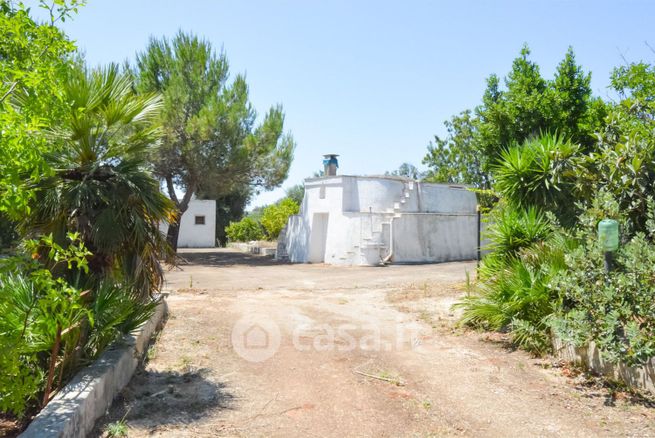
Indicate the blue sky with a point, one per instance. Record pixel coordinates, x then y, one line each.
373 80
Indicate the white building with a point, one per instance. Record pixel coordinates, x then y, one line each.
368 220
198 225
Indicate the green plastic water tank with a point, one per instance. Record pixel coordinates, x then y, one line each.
608 234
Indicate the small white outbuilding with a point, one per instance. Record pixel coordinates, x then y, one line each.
198 225
368 220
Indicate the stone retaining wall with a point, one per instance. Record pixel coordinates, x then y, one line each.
638 377
75 409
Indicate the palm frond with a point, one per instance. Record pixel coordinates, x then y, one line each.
103 187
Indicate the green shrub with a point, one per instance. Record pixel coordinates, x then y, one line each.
245 230
116 311
614 309
625 170
540 172
34 307
117 429
531 336
515 228
535 182
514 290
275 217
25 335
263 223
38 306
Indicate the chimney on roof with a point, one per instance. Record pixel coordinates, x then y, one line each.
330 164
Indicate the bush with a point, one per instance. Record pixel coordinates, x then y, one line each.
535 181
615 310
116 311
540 172
245 230
515 228
541 277
34 307
514 289
49 326
275 217
266 222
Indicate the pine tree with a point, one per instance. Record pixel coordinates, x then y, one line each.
573 90
210 143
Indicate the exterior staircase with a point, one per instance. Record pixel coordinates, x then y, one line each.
377 240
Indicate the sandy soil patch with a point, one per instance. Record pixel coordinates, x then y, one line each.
360 352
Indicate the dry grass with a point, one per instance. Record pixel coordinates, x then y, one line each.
419 291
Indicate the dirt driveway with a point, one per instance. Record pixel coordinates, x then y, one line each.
256 348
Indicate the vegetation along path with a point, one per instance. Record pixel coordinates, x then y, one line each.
357 352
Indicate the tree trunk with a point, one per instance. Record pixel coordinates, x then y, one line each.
173 234
174 228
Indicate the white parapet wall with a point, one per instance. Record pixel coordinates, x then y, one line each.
297 239
437 237
198 225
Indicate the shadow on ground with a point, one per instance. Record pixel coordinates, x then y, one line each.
224 258
154 400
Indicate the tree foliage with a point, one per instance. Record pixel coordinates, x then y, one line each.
275 216
296 192
525 107
534 282
407 170
245 230
455 159
100 186
34 60
230 208
624 162
210 141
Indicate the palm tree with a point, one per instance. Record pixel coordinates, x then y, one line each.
100 185
541 173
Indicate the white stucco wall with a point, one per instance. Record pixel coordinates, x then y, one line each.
193 235
349 219
420 238
297 239
442 198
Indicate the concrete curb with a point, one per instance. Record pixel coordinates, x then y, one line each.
638 377
253 248
75 409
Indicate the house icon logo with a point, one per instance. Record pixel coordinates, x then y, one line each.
255 338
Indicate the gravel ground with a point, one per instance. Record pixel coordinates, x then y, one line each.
257 348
